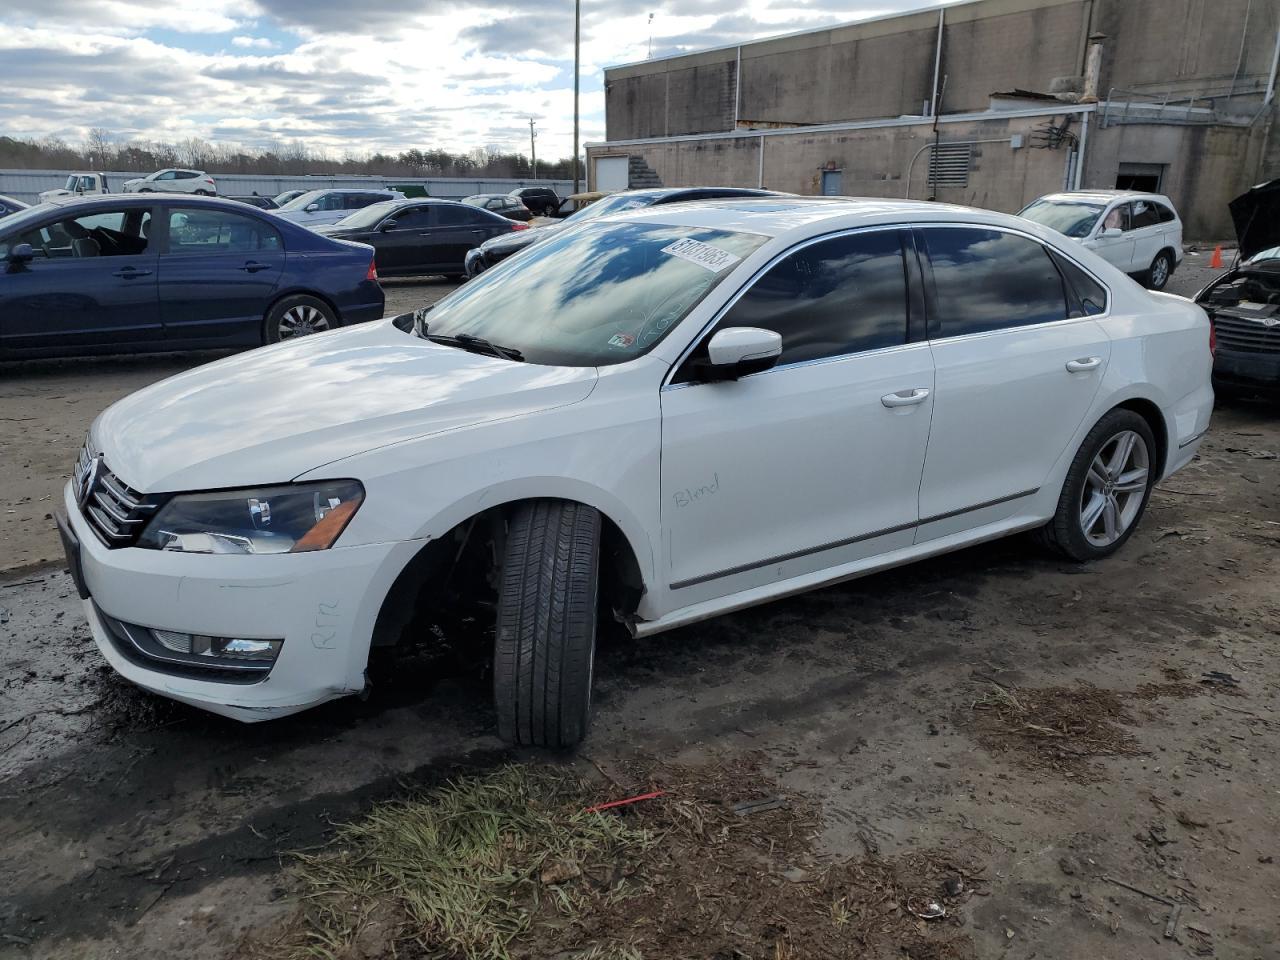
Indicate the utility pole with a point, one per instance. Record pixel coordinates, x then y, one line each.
650 57
533 151
577 69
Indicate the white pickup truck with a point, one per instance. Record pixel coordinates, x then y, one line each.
78 185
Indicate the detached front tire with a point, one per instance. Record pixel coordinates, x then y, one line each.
544 644
1106 490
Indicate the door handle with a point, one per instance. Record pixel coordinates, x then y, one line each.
905 398
1083 364
253 266
130 273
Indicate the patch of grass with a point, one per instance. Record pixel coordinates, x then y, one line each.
460 872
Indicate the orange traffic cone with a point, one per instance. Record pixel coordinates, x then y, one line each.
1216 262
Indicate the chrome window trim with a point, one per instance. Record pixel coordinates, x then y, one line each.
874 228
751 281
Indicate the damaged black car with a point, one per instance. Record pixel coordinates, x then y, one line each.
1244 303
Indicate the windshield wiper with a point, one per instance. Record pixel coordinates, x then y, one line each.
474 344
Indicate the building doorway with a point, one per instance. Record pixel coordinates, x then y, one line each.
833 183
1147 177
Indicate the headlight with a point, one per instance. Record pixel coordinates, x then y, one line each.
294 518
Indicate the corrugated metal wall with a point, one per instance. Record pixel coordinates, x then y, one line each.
25 185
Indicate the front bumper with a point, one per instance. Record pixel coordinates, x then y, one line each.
1259 371
322 604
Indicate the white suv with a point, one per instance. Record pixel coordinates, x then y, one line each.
173 180
1139 233
318 208
660 416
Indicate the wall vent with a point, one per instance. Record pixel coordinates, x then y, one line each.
949 165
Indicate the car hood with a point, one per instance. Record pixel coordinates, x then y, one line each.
1256 215
270 415
135 180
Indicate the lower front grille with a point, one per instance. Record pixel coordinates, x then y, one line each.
116 512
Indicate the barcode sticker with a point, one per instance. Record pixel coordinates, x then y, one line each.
703 254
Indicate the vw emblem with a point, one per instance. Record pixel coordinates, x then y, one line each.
87 480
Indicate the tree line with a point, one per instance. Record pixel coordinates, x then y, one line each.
101 151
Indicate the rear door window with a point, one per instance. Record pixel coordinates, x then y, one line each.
986 280
200 230
449 215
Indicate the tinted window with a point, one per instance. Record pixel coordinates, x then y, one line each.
989 280
448 215
195 230
413 218
1144 214
1166 215
1089 293
839 296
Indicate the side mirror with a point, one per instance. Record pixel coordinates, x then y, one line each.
387 225
312 207
22 253
735 352
1111 232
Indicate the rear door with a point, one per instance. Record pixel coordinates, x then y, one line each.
1148 233
1018 366
92 283
218 273
457 228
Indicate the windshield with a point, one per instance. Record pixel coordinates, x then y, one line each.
601 295
614 204
72 181
1075 218
368 216
300 202
1271 253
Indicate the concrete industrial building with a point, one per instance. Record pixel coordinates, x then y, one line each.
986 102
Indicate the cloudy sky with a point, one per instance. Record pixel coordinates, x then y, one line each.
352 76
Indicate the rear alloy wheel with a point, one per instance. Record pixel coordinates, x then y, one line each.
1161 270
203 193
1106 489
544 645
298 316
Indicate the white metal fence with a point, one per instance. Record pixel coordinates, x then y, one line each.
25 185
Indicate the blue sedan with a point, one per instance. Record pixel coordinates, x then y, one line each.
144 273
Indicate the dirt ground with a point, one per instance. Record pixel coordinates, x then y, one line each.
1099 746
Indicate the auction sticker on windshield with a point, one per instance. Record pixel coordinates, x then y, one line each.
703 254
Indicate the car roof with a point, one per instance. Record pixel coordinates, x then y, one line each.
777 216
1106 196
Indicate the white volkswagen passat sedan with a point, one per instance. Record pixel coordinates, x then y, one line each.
1139 233
664 415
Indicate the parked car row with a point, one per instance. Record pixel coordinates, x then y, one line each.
147 272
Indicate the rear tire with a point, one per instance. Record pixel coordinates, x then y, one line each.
203 193
1160 272
1106 490
298 316
544 645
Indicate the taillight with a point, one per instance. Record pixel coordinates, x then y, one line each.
1213 338
209 181
373 270
517 225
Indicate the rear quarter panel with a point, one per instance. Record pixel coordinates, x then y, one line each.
1160 352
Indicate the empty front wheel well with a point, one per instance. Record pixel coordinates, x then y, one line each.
1149 412
462 568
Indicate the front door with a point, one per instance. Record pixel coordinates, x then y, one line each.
817 461
92 284
1016 375
408 243
218 274
1116 250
